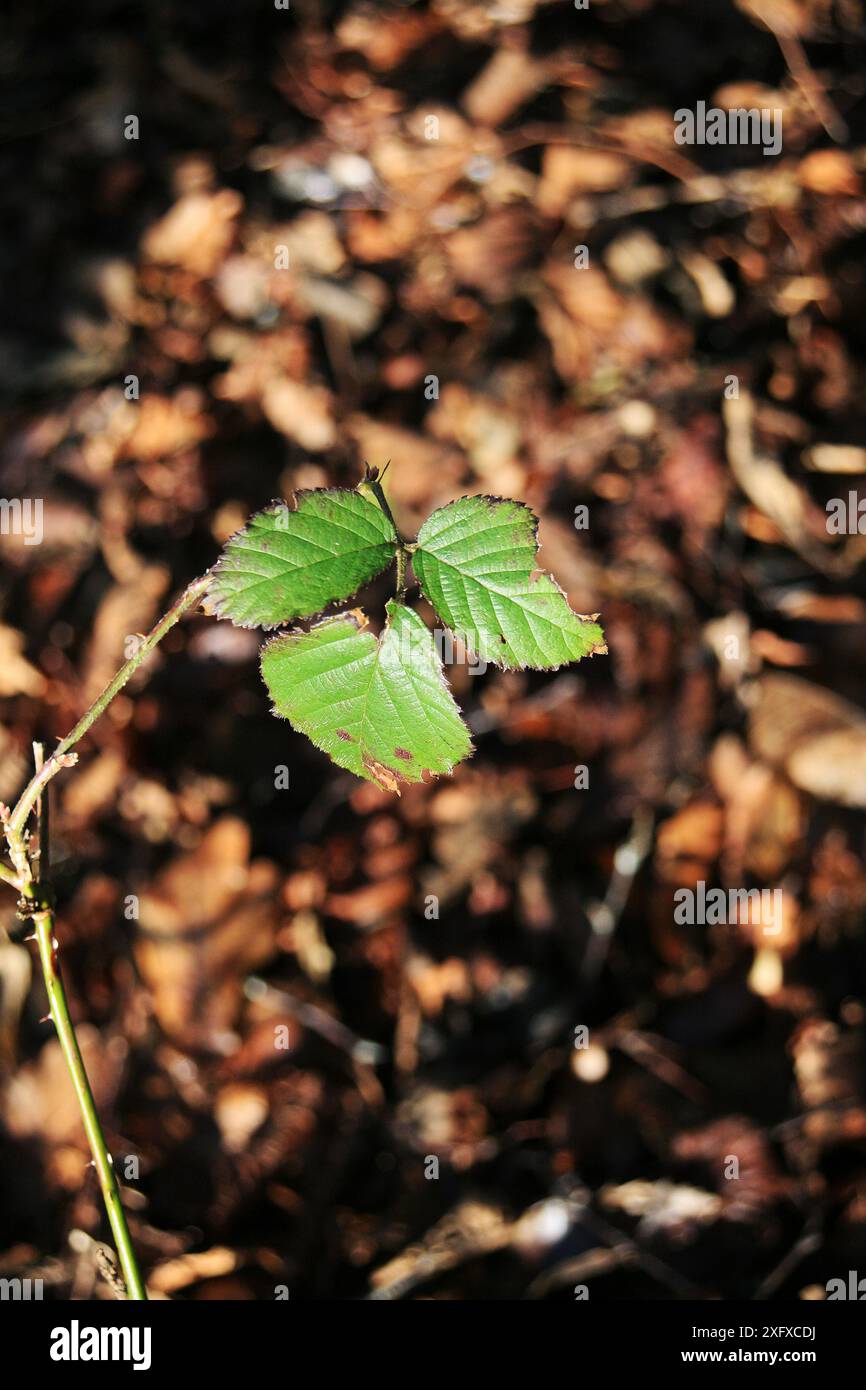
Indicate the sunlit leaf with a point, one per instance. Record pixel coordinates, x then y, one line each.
476 563
379 708
288 564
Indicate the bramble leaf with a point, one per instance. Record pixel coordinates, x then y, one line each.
288 564
476 563
379 708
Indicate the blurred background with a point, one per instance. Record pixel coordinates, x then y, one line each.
245 249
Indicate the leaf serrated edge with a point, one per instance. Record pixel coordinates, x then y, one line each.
389 779
486 497
598 648
357 616
214 607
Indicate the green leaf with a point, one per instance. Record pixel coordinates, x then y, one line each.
288 564
476 563
379 708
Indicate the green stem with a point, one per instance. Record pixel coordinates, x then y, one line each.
37 891
10 877
376 488
401 573
188 599
44 927
34 888
402 552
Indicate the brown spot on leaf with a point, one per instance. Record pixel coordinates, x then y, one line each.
345 736
386 779
404 754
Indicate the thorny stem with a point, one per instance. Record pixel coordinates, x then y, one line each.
188 599
43 921
37 893
8 876
29 876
